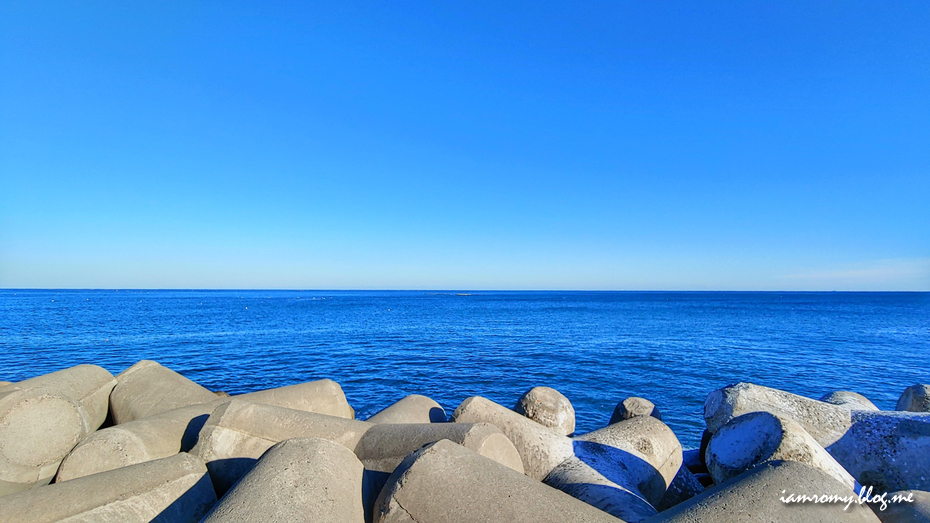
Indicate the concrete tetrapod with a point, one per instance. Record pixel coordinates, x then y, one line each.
824 421
447 483
632 407
301 479
684 487
541 448
168 433
887 450
5 383
849 399
169 490
411 409
147 388
758 437
623 469
238 433
756 496
915 511
915 398
43 418
549 408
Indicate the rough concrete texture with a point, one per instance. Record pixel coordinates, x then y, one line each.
824 421
43 418
887 450
147 439
302 479
632 407
175 490
754 497
917 511
606 478
5 383
447 483
849 399
648 437
758 437
411 409
238 433
168 433
147 389
623 469
915 398
549 408
541 449
320 396
384 446
684 487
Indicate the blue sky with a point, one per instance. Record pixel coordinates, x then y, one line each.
465 145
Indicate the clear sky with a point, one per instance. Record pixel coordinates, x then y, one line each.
465 145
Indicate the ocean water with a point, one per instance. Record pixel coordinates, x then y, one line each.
597 348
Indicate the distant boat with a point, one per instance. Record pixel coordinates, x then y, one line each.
462 294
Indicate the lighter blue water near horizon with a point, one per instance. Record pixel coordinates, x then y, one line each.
597 348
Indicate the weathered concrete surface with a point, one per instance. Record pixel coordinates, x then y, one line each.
168 433
852 400
384 446
623 469
43 418
824 421
887 450
753 497
302 479
411 409
915 398
147 388
541 448
549 408
5 383
169 490
758 437
917 511
147 439
238 433
684 487
447 483
320 396
648 437
632 407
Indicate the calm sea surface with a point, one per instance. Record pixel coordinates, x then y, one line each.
597 348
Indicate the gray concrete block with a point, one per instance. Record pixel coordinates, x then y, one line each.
757 437
549 408
302 479
147 388
43 418
824 421
541 448
632 407
623 469
168 433
169 490
887 450
852 400
447 483
411 409
684 487
755 497
915 511
915 398
237 433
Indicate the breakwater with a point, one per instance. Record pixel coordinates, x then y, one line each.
149 444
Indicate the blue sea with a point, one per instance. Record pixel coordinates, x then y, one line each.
597 348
